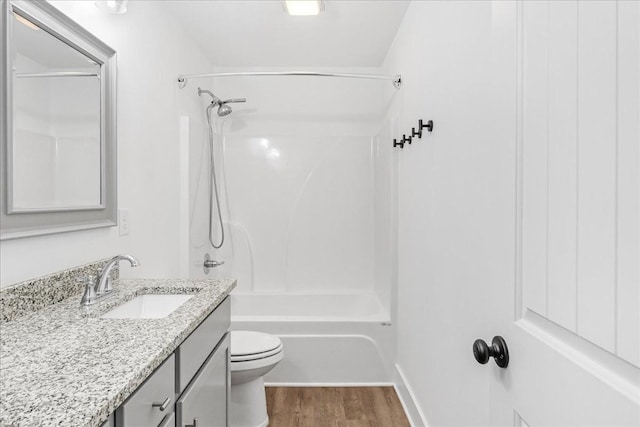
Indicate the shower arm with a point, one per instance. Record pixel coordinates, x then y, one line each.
233 100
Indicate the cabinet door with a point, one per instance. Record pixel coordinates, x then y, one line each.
204 402
193 352
153 400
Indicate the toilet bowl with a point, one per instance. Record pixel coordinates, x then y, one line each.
253 354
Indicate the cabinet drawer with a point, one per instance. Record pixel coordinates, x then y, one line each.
205 400
138 410
193 352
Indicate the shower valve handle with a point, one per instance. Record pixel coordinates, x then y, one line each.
210 263
498 350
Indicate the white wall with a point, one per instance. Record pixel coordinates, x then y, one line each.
152 49
455 207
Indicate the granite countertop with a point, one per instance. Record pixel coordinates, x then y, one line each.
65 366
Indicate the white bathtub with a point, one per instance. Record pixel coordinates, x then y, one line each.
336 339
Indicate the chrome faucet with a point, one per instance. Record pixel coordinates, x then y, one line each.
94 291
104 286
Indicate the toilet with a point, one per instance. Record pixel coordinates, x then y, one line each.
253 354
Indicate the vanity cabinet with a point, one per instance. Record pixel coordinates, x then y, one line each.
204 402
196 376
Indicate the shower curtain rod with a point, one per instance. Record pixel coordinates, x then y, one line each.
397 79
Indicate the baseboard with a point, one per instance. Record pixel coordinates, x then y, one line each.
408 400
382 384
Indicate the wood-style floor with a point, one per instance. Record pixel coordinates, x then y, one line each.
334 407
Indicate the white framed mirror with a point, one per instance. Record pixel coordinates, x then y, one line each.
58 123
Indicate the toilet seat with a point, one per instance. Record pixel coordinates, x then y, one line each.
267 362
255 356
250 350
247 343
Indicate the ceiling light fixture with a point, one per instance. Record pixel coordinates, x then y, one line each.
112 6
304 7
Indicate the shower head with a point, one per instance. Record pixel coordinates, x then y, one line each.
223 108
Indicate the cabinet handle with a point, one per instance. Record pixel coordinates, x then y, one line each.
195 423
162 406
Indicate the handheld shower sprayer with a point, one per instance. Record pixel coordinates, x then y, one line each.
223 110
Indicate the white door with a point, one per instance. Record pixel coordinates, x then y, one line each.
571 316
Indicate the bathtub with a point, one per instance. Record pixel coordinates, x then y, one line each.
329 339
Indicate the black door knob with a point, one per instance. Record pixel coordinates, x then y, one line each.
498 350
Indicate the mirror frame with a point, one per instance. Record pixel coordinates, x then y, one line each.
25 223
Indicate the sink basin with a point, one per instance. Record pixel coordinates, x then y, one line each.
147 307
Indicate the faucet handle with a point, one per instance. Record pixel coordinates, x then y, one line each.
89 296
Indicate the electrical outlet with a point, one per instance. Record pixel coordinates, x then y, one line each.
123 221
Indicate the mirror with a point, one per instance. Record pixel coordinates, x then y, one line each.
58 124
55 146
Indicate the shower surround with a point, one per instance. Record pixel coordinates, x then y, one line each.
305 183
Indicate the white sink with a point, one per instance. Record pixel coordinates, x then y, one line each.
148 307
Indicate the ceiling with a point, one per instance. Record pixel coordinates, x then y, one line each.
259 33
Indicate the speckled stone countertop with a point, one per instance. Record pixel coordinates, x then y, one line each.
64 366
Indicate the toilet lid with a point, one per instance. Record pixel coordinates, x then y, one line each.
246 343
